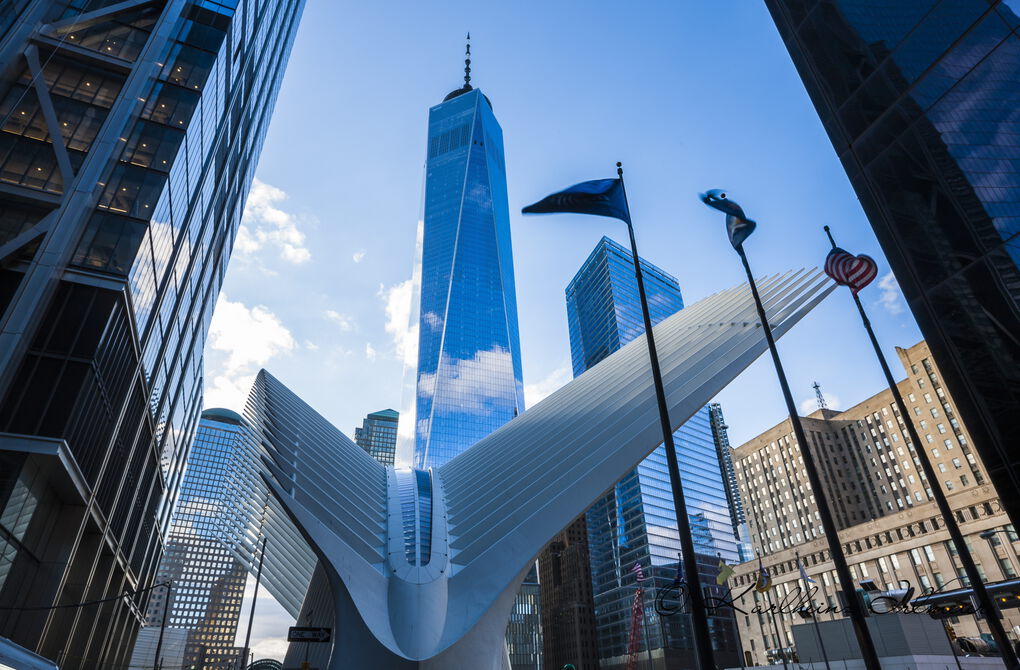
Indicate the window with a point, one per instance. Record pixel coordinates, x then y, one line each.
949 485
963 480
1007 567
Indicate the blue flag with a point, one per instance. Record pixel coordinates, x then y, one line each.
601 197
738 226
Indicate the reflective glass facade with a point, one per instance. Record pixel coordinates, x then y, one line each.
208 581
378 435
469 361
129 134
919 98
635 522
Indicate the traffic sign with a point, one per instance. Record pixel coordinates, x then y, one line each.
306 634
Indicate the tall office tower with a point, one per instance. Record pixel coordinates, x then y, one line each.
635 522
720 433
919 100
889 525
130 133
208 581
568 610
378 435
469 350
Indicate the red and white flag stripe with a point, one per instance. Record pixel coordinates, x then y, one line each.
849 270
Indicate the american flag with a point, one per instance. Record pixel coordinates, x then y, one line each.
639 572
849 270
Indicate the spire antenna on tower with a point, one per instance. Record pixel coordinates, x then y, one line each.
819 398
467 64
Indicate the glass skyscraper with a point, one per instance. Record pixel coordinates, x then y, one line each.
469 353
919 98
129 134
378 435
208 581
635 522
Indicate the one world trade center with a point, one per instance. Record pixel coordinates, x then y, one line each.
469 361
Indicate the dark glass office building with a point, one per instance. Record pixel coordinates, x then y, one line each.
920 100
378 435
635 522
129 134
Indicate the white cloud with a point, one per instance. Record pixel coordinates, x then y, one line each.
534 393
892 297
343 320
264 225
370 352
469 380
432 320
809 405
270 647
248 338
358 255
311 346
397 300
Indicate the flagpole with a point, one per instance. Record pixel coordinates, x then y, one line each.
1009 656
772 616
814 617
699 613
853 603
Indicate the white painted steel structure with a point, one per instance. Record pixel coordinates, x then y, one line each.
496 505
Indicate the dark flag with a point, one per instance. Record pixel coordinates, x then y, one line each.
738 226
601 197
763 582
849 270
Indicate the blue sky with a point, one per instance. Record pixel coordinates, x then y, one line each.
688 95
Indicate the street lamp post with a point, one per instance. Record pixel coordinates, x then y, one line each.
989 535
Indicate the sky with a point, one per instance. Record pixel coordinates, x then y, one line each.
688 95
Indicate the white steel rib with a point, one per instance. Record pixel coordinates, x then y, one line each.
445 604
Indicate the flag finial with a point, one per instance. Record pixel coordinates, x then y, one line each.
467 63
829 233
